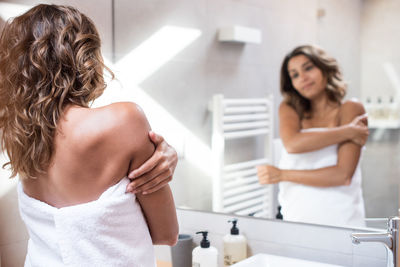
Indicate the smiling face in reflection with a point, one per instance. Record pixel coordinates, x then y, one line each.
306 78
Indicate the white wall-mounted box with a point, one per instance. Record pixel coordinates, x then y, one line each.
239 34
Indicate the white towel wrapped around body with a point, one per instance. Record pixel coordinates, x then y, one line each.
110 231
337 205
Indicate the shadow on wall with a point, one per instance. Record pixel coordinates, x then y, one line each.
2 23
13 234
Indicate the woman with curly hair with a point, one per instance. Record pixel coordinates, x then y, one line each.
74 161
319 175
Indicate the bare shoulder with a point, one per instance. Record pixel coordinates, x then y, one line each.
117 123
125 119
352 106
126 114
128 131
350 109
286 109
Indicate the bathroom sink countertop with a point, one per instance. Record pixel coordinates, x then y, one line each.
267 260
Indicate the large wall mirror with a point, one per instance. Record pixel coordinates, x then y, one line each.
167 58
170 54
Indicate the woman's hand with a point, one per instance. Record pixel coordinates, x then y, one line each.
157 171
359 130
268 174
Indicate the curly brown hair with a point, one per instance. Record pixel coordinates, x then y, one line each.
335 87
49 58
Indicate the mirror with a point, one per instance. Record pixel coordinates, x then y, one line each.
173 64
167 58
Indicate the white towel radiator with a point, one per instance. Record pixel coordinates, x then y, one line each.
235 186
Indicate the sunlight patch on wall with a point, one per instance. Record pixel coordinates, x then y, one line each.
140 64
157 50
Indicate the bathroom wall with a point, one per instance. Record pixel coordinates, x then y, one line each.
344 45
379 48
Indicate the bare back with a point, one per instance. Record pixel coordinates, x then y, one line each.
94 149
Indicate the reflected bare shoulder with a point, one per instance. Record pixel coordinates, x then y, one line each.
350 109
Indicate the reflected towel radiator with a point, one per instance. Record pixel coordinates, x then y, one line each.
235 186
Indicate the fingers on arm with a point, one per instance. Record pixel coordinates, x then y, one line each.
155 184
156 138
147 166
363 118
159 167
161 174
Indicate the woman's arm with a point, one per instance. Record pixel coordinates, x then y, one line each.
296 141
339 174
158 207
162 222
157 171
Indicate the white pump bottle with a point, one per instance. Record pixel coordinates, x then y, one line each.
204 255
235 246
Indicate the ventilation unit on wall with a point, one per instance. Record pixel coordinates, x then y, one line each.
239 34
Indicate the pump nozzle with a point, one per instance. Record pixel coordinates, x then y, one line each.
234 229
204 242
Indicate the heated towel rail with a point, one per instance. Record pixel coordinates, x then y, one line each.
235 186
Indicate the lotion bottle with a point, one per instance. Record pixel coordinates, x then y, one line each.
204 255
235 246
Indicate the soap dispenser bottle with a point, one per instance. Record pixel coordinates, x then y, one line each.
204 255
235 246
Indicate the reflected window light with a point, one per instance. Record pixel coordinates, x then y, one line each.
140 64
393 77
157 50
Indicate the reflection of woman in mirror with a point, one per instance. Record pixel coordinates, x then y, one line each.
73 161
319 175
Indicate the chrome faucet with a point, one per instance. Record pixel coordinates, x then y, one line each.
389 238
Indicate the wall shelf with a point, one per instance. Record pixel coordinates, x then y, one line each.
239 34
